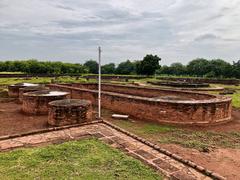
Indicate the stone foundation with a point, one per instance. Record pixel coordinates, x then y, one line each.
69 111
37 102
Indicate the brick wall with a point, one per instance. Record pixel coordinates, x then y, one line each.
144 91
203 80
200 112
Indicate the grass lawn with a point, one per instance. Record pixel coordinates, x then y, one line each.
236 99
84 159
235 96
200 140
63 79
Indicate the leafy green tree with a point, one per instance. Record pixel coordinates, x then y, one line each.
108 68
236 69
92 66
164 70
126 67
148 65
220 68
178 69
198 67
33 66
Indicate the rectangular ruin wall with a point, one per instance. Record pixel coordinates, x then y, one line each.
142 91
200 113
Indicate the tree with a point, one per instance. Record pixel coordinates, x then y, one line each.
92 66
198 67
126 67
34 66
236 69
108 68
148 65
178 69
220 68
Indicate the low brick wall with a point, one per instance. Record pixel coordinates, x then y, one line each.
144 91
203 80
194 112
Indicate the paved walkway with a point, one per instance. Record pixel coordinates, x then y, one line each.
171 168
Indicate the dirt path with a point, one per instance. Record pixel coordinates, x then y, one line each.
223 161
14 122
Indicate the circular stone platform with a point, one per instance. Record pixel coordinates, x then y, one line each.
30 89
37 102
69 111
13 90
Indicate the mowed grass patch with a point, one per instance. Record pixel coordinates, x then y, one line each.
164 134
62 79
236 99
85 159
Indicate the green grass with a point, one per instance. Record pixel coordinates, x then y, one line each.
6 72
235 97
85 159
200 140
64 79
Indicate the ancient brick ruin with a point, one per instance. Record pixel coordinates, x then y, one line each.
13 90
69 111
153 104
30 89
37 102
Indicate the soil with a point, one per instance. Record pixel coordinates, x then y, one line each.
224 161
13 121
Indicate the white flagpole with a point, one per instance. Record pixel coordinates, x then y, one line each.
99 82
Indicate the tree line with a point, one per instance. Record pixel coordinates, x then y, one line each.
42 67
149 65
216 68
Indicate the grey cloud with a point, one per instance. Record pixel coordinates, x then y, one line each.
71 30
205 37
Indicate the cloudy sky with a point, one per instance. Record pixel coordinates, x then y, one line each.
71 30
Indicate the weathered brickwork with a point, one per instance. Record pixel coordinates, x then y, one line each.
203 80
13 90
69 111
29 89
37 102
205 110
144 91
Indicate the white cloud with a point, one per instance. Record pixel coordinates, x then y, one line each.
176 30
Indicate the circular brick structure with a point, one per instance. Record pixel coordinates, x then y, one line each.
30 89
69 111
164 106
37 102
13 90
